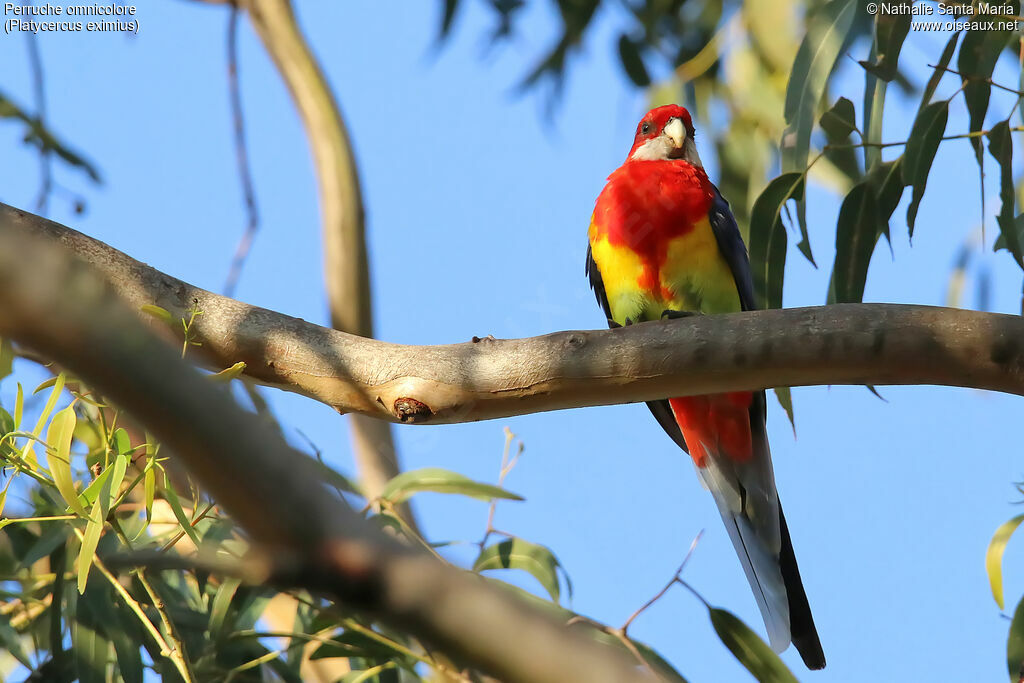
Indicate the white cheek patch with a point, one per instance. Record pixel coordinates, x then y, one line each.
652 150
660 148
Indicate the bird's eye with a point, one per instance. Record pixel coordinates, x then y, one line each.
645 128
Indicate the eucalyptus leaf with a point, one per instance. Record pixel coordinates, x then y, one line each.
515 553
994 557
768 238
1015 645
826 31
633 62
752 652
1000 146
857 233
979 53
923 143
437 480
58 437
940 69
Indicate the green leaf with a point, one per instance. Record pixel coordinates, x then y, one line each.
994 557
92 491
19 405
785 398
120 626
925 135
368 674
27 453
768 237
354 644
857 232
159 313
172 499
122 442
53 537
978 56
874 106
826 31
839 121
7 425
90 540
6 357
41 137
58 437
1000 146
1015 644
10 639
886 182
940 69
438 480
632 62
515 553
1001 240
448 17
120 467
891 29
752 652
228 374
91 650
3 499
149 485
219 607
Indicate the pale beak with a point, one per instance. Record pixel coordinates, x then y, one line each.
676 132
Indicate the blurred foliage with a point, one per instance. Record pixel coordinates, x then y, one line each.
113 564
40 137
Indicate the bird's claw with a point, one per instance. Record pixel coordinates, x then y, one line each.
669 314
615 325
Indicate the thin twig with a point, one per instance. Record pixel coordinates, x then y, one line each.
177 652
986 79
676 578
135 607
507 464
242 154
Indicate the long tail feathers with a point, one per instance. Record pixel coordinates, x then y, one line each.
801 623
777 587
765 578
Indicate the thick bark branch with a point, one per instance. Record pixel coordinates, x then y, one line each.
346 268
59 306
844 344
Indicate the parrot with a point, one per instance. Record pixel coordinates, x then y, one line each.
663 243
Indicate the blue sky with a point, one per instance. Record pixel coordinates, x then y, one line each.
478 203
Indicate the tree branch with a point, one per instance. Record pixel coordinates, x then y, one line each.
58 305
875 344
346 268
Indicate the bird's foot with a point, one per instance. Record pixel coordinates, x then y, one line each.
669 314
614 325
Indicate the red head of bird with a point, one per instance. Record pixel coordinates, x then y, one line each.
665 133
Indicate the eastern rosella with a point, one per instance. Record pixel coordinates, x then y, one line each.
662 239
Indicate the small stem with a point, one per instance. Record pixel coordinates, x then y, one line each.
242 155
985 79
135 607
676 578
177 652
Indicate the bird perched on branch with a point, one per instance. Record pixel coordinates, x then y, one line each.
663 243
